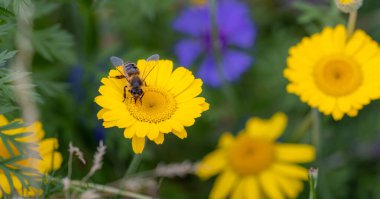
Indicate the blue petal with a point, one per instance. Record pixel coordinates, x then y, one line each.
235 24
187 51
193 21
234 64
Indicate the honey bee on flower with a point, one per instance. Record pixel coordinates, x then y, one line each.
169 104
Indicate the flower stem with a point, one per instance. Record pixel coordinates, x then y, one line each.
217 54
351 23
316 130
313 178
133 165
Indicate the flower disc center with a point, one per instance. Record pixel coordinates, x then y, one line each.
156 105
249 156
338 75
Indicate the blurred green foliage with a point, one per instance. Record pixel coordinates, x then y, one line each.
73 40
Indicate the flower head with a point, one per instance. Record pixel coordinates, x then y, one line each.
49 159
254 165
235 29
333 73
348 5
170 103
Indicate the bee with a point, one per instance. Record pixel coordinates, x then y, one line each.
132 75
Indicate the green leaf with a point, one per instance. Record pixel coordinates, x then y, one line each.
53 43
5 55
6 12
7 109
44 8
12 125
23 9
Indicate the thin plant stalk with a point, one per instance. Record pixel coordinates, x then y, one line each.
132 168
352 17
313 178
133 165
22 63
217 54
103 188
316 129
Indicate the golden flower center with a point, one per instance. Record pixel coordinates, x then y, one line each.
250 155
346 1
156 105
338 75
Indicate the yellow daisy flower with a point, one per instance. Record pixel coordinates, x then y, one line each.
333 73
169 103
46 148
253 165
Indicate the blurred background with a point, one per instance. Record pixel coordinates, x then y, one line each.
73 40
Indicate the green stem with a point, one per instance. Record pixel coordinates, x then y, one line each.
313 178
217 53
316 130
351 23
133 165
303 128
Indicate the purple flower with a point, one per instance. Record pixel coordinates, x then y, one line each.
236 30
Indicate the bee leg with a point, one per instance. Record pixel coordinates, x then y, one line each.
125 93
142 95
117 77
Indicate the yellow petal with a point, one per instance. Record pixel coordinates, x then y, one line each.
142 129
269 185
299 153
211 164
3 120
164 127
153 131
52 161
290 186
251 187
223 185
138 144
225 140
181 134
165 71
290 170
192 91
270 129
48 145
238 191
129 132
159 139
5 184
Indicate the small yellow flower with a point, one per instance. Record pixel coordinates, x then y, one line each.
46 148
348 5
169 103
253 165
333 73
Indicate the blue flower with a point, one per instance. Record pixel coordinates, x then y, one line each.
236 32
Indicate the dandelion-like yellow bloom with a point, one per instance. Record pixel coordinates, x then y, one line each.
253 165
348 5
170 103
49 160
333 73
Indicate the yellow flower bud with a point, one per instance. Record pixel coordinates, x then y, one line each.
348 5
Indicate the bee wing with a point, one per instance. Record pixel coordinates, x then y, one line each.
154 57
116 61
151 63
